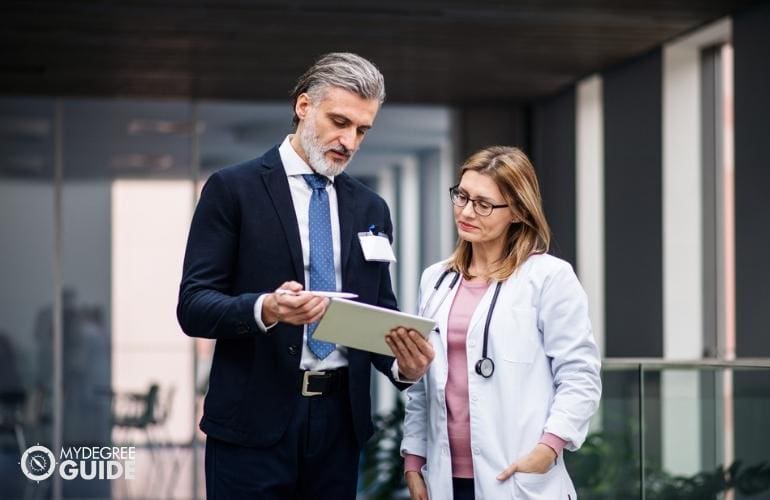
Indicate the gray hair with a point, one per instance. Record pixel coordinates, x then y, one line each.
344 70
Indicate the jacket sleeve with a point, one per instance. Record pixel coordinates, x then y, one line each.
415 440
575 364
206 308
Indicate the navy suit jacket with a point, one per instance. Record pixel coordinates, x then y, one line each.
244 241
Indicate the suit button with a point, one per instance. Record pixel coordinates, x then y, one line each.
293 350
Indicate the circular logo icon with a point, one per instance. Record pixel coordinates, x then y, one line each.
38 463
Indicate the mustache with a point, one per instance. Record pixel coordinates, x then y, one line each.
342 150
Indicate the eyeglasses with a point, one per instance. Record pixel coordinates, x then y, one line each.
481 207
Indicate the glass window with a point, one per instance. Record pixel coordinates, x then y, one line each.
26 283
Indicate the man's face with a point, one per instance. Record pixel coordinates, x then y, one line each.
331 130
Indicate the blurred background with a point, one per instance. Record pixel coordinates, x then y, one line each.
648 123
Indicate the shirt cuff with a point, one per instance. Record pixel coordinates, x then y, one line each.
413 463
554 442
396 377
258 314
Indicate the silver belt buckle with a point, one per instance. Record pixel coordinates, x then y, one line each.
306 382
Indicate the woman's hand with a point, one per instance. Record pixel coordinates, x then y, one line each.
416 485
538 461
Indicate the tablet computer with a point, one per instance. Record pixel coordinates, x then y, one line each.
363 326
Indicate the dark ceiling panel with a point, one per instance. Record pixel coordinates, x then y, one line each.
430 51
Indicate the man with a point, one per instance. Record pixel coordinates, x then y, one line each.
286 414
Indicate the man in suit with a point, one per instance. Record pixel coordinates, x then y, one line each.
286 415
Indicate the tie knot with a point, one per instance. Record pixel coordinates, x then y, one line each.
316 181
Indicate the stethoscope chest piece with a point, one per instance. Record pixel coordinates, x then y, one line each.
485 367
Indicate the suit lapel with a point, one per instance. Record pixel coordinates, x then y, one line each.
346 202
277 187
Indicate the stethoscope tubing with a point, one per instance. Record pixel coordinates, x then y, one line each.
485 366
436 287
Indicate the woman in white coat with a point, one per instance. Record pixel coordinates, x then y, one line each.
515 378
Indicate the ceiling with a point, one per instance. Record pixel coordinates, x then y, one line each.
449 51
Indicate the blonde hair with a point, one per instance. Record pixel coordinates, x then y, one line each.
514 175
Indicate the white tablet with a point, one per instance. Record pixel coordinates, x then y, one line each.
363 326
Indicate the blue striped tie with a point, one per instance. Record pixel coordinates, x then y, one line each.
322 275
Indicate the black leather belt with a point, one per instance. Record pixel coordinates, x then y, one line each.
318 383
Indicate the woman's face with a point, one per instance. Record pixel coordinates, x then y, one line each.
473 227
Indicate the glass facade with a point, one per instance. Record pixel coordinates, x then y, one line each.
27 267
96 197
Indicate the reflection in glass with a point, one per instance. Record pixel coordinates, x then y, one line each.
126 202
26 287
635 438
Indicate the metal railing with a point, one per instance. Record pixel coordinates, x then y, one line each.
717 403
660 363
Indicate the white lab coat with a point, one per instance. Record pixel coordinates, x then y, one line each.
546 379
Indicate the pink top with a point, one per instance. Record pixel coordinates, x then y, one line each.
458 413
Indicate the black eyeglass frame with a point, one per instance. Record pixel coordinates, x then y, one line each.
455 190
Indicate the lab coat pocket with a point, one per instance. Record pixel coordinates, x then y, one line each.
520 335
534 477
547 486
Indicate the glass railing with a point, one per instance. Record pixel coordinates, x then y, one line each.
665 430
678 430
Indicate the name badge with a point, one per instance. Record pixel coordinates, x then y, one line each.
376 247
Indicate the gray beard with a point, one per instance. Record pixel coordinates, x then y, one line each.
315 151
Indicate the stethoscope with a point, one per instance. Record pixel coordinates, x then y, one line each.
485 366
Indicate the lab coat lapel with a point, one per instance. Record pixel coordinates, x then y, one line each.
479 318
442 314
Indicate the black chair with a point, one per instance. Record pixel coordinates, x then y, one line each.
132 410
147 412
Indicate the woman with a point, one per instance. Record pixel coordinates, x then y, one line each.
490 418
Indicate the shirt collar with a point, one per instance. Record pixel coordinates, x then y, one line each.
293 162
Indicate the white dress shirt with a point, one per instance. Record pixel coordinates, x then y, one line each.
295 168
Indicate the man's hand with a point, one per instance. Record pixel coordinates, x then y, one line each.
288 304
413 352
538 461
416 485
